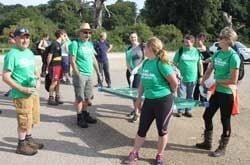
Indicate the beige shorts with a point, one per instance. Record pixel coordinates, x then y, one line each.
28 111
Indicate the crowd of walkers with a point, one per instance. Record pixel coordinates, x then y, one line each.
150 70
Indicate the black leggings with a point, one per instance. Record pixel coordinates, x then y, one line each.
225 103
159 109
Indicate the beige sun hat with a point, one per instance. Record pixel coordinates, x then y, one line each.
85 26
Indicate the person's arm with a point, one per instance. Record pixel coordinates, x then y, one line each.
110 47
49 58
8 80
74 66
233 80
208 73
41 45
173 82
138 101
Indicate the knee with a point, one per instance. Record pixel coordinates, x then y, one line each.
142 133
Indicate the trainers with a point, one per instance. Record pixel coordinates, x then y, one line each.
51 101
178 114
58 100
159 160
131 114
188 114
88 118
134 118
132 158
80 122
25 149
67 82
30 141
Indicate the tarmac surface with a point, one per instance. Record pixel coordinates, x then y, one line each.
110 140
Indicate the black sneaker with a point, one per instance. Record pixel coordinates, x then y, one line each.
88 118
131 114
58 100
67 82
178 114
134 118
188 114
51 101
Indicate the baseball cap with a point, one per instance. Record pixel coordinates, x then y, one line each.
21 31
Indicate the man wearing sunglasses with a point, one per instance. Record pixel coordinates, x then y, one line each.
19 72
82 55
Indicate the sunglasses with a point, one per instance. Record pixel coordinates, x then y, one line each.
86 32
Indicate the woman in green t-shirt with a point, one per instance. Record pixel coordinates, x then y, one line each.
158 82
225 64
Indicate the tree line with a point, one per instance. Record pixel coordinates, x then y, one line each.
167 19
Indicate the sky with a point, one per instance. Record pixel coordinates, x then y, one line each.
139 3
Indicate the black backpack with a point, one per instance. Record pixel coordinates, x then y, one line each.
241 68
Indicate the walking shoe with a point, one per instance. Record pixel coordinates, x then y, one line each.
25 149
134 118
178 114
188 114
51 101
62 81
58 100
159 160
131 114
132 158
30 141
67 82
88 118
80 122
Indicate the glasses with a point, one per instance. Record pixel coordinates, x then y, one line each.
86 32
221 37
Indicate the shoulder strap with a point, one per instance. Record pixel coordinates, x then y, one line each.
158 68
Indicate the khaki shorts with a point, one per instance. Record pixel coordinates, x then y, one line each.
28 111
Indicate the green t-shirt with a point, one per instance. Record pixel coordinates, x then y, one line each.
21 64
188 63
84 52
223 62
153 82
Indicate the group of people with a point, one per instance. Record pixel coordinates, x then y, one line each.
149 69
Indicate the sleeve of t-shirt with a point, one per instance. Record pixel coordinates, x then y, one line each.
166 69
73 48
176 57
9 62
235 61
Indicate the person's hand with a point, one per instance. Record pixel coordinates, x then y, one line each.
134 71
28 90
138 104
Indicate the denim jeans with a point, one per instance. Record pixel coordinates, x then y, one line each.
186 91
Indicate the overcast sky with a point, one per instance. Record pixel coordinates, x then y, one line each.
139 3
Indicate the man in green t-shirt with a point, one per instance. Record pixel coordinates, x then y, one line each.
82 55
19 72
188 61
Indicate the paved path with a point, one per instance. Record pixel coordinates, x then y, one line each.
110 140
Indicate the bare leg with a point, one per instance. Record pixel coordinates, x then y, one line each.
138 143
162 143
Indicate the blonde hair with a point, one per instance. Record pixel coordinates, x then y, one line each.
229 34
157 48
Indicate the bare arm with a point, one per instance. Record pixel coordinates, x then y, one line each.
232 81
8 80
41 45
73 64
173 81
49 58
110 48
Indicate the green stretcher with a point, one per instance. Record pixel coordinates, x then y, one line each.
131 93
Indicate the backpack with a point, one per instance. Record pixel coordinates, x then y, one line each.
241 68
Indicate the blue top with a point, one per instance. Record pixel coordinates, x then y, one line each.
101 48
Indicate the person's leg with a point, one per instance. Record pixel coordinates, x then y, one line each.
182 93
146 120
226 105
189 95
24 120
207 117
196 95
106 73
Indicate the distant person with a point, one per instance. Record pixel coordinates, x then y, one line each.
66 60
103 47
188 61
54 65
204 50
82 54
225 65
158 83
19 72
134 58
42 45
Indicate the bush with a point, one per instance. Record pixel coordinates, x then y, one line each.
170 36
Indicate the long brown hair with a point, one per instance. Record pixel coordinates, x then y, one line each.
157 47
